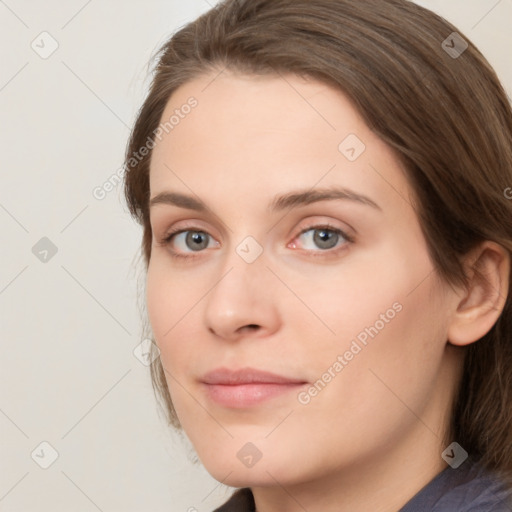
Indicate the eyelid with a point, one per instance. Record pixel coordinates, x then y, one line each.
189 225
327 226
169 236
327 253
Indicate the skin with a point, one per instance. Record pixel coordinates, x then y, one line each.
373 436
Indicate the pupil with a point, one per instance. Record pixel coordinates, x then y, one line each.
197 240
325 238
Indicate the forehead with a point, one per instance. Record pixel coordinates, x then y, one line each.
257 135
253 111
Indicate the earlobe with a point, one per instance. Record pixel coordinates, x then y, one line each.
484 299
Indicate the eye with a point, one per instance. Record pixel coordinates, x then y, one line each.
325 238
194 241
183 243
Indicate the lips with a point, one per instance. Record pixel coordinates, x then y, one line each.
226 377
246 387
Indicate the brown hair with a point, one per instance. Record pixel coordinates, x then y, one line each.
445 114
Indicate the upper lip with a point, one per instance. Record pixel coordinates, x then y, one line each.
228 377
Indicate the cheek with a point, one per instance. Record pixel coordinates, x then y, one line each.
174 302
391 347
159 300
344 300
382 319
169 301
170 294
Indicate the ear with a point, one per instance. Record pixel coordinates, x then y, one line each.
481 304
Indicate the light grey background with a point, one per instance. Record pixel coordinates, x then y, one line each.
69 325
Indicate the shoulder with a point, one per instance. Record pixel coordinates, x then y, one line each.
242 500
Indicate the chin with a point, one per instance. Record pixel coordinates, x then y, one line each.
243 477
236 469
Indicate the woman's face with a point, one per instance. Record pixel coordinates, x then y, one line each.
300 255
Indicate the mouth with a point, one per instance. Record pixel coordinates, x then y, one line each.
246 387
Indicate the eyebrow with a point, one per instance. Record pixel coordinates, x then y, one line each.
290 200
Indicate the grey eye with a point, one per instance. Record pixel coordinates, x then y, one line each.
325 238
321 238
196 240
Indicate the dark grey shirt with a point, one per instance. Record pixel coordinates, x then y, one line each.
469 488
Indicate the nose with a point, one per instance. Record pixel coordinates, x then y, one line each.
243 301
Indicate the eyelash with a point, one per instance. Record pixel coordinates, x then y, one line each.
320 253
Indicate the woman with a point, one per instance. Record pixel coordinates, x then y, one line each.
327 238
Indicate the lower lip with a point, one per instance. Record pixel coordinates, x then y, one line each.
247 395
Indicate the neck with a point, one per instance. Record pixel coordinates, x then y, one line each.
381 484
